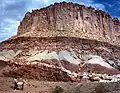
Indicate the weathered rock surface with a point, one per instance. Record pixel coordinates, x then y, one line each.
40 72
63 53
71 20
7 55
60 41
80 46
96 68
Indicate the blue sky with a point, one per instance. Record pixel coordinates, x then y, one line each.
13 11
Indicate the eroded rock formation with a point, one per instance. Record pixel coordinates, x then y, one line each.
65 40
68 19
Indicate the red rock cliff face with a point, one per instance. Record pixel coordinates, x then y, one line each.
73 20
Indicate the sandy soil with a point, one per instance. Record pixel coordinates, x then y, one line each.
33 86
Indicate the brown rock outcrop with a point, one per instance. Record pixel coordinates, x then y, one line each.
69 19
40 72
96 68
84 46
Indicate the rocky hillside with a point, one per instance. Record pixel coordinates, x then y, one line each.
62 42
68 57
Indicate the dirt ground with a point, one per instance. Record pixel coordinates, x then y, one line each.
33 86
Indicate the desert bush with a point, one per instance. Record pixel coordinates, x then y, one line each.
101 88
58 89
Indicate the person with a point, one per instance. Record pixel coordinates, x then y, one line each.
20 83
15 84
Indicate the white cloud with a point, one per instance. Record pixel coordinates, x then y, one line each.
45 1
98 6
8 28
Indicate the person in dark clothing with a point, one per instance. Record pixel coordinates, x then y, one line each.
22 86
15 84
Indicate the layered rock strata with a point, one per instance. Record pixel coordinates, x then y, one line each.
65 40
67 52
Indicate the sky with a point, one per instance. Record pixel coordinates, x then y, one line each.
13 11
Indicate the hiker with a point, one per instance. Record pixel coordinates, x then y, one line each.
18 83
15 84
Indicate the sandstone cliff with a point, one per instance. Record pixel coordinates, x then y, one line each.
73 20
